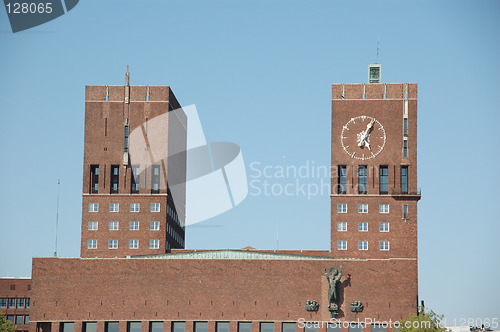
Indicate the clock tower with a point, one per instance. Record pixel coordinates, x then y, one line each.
374 171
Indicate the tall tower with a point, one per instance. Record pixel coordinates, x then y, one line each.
135 143
374 153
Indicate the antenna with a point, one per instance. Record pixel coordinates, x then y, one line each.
127 77
57 217
378 48
277 241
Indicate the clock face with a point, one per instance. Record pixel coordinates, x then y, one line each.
363 137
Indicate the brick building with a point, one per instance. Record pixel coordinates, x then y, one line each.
369 275
15 301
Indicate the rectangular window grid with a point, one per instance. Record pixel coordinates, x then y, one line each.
384 179
341 245
383 227
92 244
341 227
93 207
154 225
363 227
113 225
362 180
383 208
362 208
93 225
135 207
341 208
136 179
384 245
154 207
134 225
362 245
133 244
154 244
405 211
112 244
342 184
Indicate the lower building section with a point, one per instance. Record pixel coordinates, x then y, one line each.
15 301
240 291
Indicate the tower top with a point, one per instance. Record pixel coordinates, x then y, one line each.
127 77
375 73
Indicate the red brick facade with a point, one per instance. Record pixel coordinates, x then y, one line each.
15 301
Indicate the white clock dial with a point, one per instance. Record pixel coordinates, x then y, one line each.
363 137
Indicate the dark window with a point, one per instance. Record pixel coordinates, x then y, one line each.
12 302
11 318
28 300
200 327
156 327
178 326
362 180
311 327
342 173
404 179
136 171
266 327
355 327
289 327
405 211
20 303
333 327
67 327
19 319
111 327
125 142
155 179
133 326
244 327
12 287
379 328
89 327
3 302
94 179
384 179
115 176
26 319
221 326
405 148
405 126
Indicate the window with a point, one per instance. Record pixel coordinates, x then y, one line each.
362 245
136 179
289 327
112 244
12 302
362 180
133 244
221 326
178 326
384 179
26 319
405 211
342 170
135 207
93 207
156 327
362 208
94 179
244 327
114 207
28 301
354 327
155 179
404 179
12 287
200 327
93 225
115 177
113 225
67 327
155 207
154 244
133 326
126 133
341 227
89 327
92 244
383 227
405 148
20 303
384 245
154 225
111 327
266 327
362 227
11 318
311 327
341 245
383 208
405 127
341 208
3 302
333 327
134 225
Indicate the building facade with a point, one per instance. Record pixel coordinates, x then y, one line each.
15 301
368 278
134 156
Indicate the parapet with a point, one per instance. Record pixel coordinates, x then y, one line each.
380 91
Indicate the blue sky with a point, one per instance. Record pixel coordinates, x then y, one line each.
260 74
